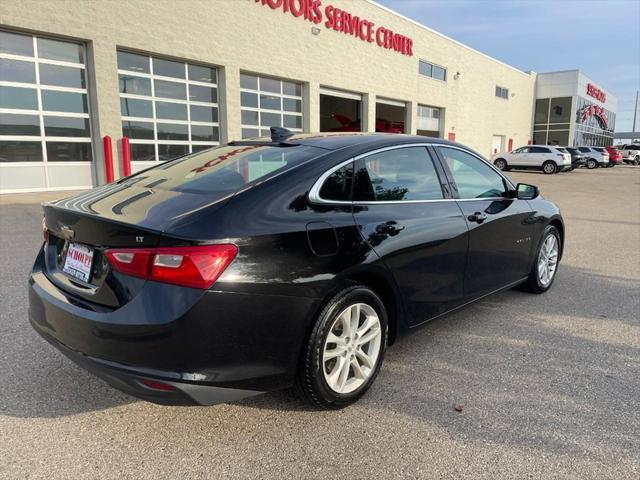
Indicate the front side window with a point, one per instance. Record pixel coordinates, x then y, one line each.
44 110
474 177
169 108
522 150
269 102
397 175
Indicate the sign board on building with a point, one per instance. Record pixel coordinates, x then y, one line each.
340 20
596 93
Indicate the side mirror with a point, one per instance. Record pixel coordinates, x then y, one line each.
526 192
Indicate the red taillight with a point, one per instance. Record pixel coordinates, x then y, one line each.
155 385
196 267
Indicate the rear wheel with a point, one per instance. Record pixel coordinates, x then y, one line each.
636 161
591 164
501 164
545 266
549 167
345 350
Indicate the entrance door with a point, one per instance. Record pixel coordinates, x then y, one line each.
497 144
420 236
500 237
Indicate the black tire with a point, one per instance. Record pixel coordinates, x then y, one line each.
591 164
550 167
533 284
311 383
636 161
501 164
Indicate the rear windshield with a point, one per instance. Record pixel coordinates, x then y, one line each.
225 170
599 149
563 150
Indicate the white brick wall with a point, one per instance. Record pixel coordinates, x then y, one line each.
243 35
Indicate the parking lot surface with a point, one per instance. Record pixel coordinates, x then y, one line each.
549 384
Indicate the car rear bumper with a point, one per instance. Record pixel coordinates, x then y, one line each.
169 387
211 347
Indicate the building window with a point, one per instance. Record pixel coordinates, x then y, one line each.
169 108
269 102
44 110
502 92
432 70
429 121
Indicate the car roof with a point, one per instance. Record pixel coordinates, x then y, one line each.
336 141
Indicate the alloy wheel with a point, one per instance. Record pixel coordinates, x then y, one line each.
352 348
591 163
549 167
501 164
548 260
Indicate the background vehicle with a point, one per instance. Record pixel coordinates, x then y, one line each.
630 153
577 158
594 157
261 264
539 157
615 157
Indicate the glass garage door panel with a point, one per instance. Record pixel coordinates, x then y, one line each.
269 102
44 113
169 108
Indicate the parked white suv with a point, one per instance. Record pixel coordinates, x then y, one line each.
548 158
630 153
595 156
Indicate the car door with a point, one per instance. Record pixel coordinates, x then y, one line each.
519 157
501 230
404 211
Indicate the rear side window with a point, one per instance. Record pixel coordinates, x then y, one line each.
562 150
401 174
540 150
225 170
338 185
584 149
474 177
599 149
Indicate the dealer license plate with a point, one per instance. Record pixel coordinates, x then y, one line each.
78 261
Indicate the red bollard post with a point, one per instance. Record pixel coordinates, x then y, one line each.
126 157
108 158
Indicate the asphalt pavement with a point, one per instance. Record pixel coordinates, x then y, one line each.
549 385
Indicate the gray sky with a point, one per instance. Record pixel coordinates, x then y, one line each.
599 37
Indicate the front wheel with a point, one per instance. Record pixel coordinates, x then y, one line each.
591 164
501 164
544 269
549 167
345 349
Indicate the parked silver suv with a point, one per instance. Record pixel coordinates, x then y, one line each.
548 158
596 156
630 153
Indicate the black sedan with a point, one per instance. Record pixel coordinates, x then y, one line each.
293 260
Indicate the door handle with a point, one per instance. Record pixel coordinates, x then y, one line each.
391 228
477 217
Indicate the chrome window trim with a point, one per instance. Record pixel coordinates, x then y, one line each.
314 192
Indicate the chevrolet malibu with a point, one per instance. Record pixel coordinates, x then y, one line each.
290 261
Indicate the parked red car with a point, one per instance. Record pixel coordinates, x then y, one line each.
615 157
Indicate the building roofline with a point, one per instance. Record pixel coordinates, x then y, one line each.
442 35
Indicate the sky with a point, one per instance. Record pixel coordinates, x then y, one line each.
599 37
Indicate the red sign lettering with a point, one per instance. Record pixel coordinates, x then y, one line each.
596 93
344 22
